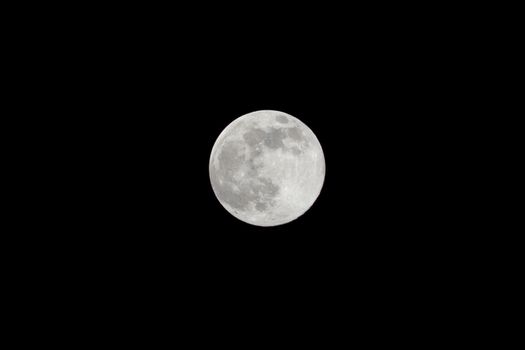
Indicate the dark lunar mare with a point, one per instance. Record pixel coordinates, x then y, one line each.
281 119
295 134
272 139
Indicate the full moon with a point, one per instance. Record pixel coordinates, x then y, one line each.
267 168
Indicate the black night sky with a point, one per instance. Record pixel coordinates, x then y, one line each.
143 104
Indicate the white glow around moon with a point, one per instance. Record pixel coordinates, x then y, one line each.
267 168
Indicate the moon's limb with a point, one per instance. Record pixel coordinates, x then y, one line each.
267 168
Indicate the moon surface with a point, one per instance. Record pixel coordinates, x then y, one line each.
267 168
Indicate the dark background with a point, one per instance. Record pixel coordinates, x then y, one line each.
154 106
148 100
137 101
159 108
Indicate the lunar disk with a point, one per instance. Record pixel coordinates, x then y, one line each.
267 168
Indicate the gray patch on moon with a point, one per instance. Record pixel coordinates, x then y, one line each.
259 192
253 169
295 134
296 150
260 206
254 137
267 187
274 139
230 158
237 200
239 195
281 119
